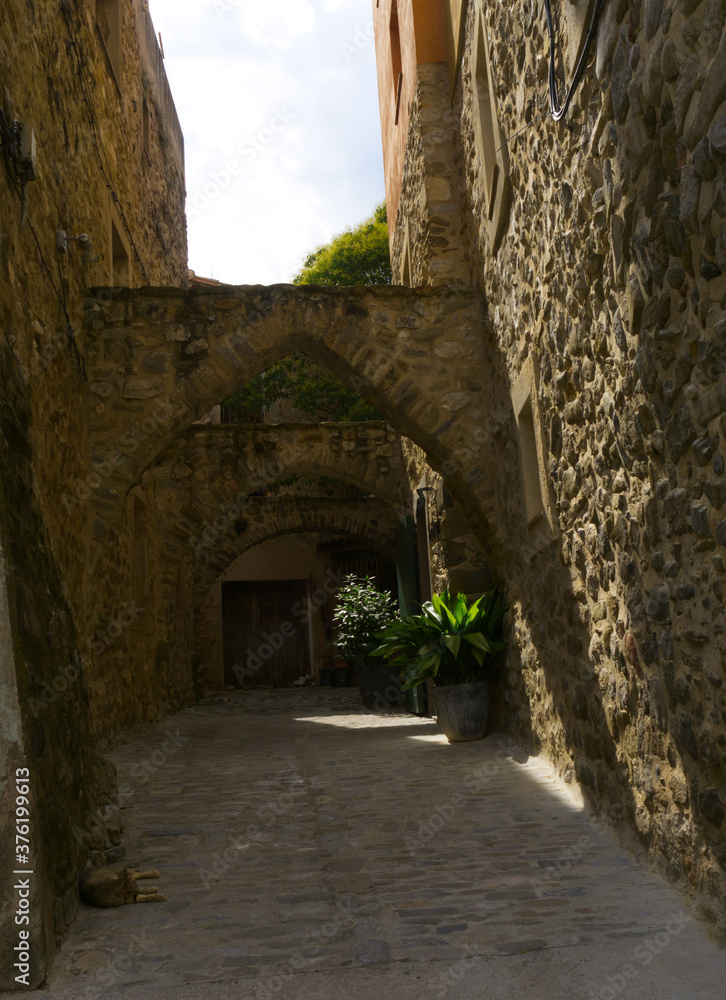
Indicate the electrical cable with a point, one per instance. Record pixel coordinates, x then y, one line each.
526 125
23 204
559 112
70 336
95 133
556 112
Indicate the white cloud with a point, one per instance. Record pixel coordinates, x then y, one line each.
285 81
275 24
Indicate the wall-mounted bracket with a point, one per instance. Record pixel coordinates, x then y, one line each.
62 239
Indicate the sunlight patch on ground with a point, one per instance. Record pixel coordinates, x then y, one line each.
429 738
355 721
543 772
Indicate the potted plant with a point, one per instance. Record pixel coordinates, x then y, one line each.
361 612
451 642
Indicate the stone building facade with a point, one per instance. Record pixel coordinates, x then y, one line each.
599 246
90 145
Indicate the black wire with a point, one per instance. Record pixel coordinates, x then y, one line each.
61 296
525 126
70 335
62 300
95 134
559 112
8 145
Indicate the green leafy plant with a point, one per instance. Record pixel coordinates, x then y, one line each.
361 612
451 641
313 390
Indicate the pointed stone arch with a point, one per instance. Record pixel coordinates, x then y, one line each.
372 522
209 464
158 359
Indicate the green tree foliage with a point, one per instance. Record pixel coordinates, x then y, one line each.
313 390
358 256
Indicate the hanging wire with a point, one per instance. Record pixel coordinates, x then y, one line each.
96 135
523 128
559 112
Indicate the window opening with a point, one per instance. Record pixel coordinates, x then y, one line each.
396 61
533 504
120 263
140 555
108 23
488 151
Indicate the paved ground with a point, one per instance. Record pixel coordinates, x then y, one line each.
310 849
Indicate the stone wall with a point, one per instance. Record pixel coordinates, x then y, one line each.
87 138
160 358
457 558
428 247
610 276
43 706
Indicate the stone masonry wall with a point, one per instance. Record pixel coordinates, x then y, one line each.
45 50
432 226
610 274
72 787
200 509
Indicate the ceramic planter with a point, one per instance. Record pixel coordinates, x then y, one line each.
462 710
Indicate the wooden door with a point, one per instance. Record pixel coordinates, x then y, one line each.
265 642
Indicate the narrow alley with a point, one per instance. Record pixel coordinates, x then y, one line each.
309 848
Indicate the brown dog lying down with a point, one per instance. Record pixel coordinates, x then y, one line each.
116 886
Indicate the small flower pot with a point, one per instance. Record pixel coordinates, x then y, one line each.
326 677
462 710
379 685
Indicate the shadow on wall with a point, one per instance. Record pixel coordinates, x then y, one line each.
71 780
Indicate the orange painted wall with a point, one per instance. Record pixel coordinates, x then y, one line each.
421 32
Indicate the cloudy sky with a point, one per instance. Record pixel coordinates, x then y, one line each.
278 104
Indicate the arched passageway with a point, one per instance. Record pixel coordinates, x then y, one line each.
158 359
268 618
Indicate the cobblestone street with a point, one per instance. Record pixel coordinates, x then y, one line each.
309 849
